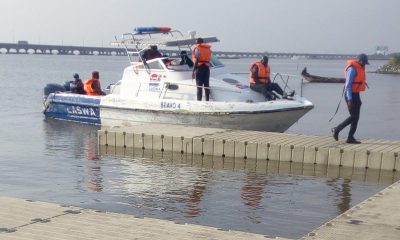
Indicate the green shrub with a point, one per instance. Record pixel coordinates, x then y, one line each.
395 59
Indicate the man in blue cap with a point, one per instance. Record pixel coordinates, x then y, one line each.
355 83
76 85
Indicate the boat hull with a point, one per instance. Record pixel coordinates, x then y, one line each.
73 107
318 79
274 121
118 111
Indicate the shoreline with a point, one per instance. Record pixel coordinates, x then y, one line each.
389 69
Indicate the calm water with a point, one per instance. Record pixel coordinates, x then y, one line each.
60 162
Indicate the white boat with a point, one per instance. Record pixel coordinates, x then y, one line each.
161 90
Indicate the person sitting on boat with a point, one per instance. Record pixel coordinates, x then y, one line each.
92 85
260 80
76 85
201 57
185 59
151 53
304 72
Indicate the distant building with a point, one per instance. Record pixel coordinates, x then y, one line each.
381 50
23 42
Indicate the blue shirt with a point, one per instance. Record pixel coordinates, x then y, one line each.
351 74
196 53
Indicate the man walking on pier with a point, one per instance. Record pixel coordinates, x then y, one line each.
355 83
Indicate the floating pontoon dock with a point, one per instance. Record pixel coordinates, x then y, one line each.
372 153
377 217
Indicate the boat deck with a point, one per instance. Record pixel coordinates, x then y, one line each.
372 153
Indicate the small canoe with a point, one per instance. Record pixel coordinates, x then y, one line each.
314 78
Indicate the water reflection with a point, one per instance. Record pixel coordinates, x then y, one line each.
197 174
93 174
342 188
67 137
195 195
76 142
253 189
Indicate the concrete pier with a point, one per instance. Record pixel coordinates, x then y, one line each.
321 150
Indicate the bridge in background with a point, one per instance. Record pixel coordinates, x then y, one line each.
23 47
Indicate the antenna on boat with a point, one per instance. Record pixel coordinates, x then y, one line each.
126 49
192 34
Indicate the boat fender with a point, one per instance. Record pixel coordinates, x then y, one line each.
52 88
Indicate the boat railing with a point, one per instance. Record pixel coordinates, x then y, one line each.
167 86
284 78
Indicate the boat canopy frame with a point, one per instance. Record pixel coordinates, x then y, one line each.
135 43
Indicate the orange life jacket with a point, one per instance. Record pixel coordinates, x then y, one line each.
87 85
359 82
204 54
263 73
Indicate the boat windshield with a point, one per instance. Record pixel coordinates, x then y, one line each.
215 62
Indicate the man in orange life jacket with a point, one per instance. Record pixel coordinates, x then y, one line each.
355 83
260 80
201 56
92 85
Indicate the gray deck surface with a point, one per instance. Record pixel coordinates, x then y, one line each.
378 217
26 220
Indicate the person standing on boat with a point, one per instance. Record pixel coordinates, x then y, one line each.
185 60
92 85
260 80
355 83
201 56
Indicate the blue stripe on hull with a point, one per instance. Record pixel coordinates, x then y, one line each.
74 108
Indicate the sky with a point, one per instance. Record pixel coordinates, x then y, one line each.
297 26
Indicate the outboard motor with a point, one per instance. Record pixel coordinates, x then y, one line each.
52 88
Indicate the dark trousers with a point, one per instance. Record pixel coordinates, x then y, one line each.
203 79
352 120
266 89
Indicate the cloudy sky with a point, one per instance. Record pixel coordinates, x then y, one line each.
311 26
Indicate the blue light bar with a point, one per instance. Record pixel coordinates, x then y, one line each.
152 29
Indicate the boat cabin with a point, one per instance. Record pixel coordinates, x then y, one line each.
170 76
